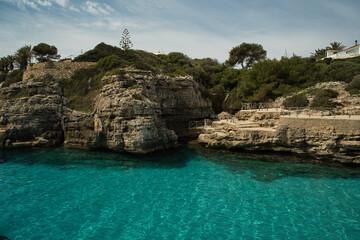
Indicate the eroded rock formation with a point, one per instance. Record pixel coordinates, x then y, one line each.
328 139
138 112
34 110
134 112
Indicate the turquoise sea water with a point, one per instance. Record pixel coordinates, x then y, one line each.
186 193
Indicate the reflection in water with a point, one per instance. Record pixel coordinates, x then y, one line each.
267 168
68 158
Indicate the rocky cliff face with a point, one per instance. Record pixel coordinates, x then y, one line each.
180 101
138 112
327 139
55 69
34 110
134 112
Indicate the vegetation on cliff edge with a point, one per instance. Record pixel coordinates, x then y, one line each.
260 80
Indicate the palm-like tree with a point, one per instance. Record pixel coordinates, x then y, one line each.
336 46
3 64
23 56
319 53
11 60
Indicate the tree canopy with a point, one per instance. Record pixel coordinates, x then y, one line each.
7 63
125 43
336 46
44 52
23 56
260 79
320 53
246 54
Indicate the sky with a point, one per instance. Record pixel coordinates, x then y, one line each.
197 28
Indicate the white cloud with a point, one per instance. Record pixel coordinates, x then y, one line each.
24 3
37 4
74 9
61 3
176 25
96 8
44 3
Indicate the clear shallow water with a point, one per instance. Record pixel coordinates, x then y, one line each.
187 193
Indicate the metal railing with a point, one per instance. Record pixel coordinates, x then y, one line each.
199 123
317 111
257 106
196 124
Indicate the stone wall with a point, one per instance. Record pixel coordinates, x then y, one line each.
56 69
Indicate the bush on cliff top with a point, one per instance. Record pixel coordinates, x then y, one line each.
110 57
265 81
13 77
298 100
325 93
81 89
355 83
173 64
2 77
322 102
100 51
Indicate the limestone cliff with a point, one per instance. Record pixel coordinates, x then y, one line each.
134 111
138 112
34 110
328 138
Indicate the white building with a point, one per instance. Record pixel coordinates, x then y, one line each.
350 52
160 52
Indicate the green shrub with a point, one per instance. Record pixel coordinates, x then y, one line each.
355 83
100 51
325 93
2 77
116 71
298 100
110 62
142 66
22 93
341 70
82 88
216 95
138 97
135 86
322 102
13 77
354 91
178 73
50 65
46 78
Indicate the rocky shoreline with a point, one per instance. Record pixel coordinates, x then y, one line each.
325 139
139 112
134 112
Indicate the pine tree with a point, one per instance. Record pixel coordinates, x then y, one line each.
125 43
